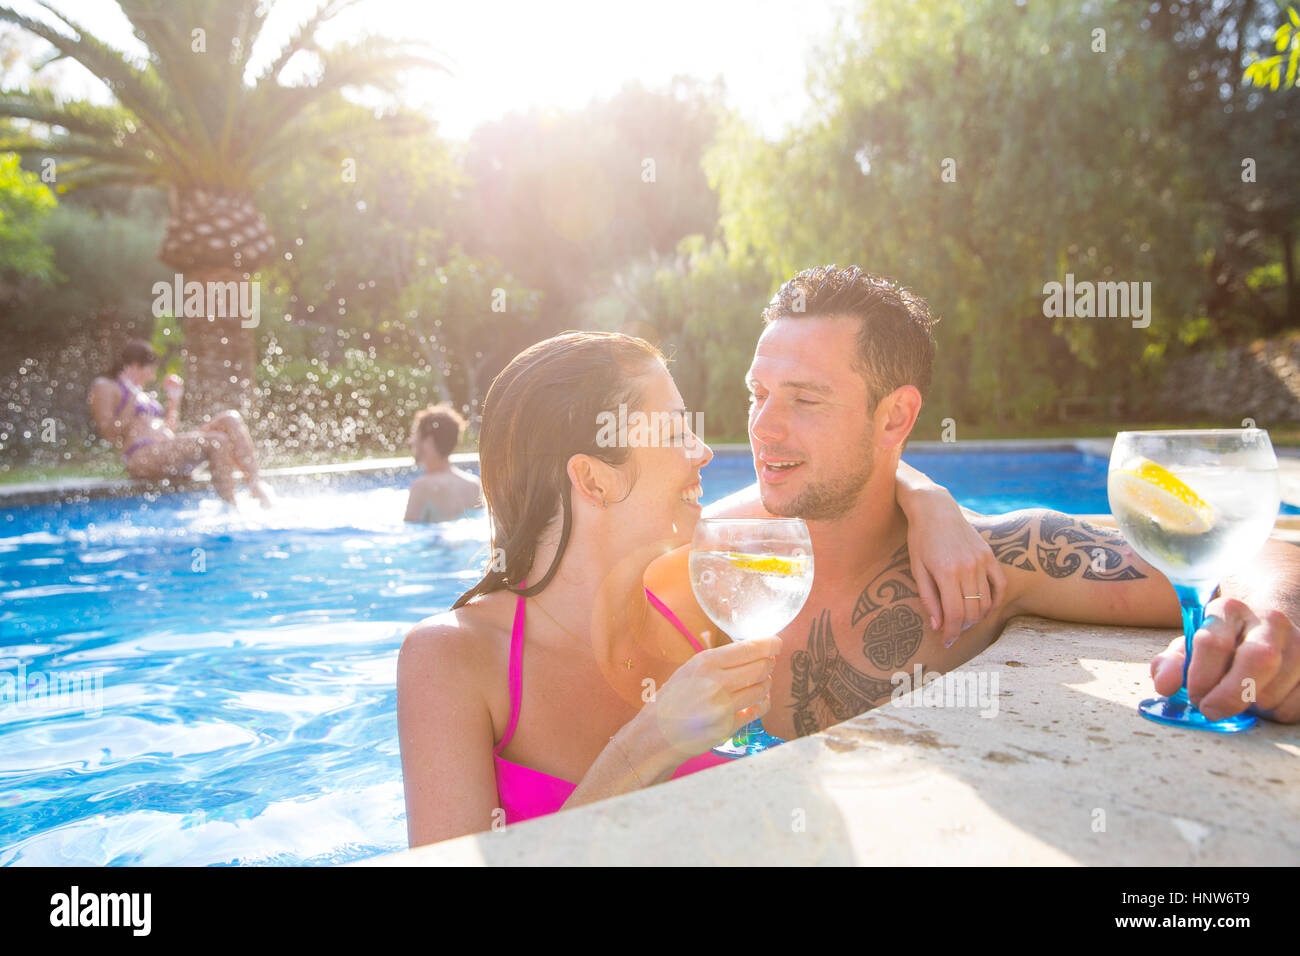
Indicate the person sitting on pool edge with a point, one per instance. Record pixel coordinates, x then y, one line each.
836 384
151 448
442 492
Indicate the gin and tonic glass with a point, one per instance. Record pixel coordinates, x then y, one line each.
1195 505
751 577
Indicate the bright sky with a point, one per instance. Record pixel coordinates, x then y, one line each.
510 55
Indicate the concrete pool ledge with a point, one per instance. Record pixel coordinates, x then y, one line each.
62 489
40 492
1065 773
84 489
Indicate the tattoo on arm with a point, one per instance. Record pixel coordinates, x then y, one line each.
1061 546
1009 539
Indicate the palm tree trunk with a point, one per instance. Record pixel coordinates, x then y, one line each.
217 239
220 356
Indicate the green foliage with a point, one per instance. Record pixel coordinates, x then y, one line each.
701 307
187 116
190 116
467 317
1060 157
167 341
25 206
568 197
1267 71
355 369
358 403
1125 163
104 266
353 222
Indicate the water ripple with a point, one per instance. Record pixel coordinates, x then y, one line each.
245 704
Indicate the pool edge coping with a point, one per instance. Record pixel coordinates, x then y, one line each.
85 489
43 492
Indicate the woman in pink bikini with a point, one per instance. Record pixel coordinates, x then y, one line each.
559 678
134 420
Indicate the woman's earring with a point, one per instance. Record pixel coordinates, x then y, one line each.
604 503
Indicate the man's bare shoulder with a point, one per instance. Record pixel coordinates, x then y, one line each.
471 488
424 483
669 578
444 482
745 503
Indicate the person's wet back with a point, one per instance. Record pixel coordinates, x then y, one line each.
442 492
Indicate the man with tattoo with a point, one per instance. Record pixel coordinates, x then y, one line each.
836 384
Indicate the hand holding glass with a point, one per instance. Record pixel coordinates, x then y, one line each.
751 577
1195 505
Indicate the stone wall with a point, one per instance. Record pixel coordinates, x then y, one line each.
45 419
1259 381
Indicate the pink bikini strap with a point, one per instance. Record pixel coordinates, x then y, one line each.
663 609
516 671
517 657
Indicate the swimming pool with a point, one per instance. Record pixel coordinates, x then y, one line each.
226 684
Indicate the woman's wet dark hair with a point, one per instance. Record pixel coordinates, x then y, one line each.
541 411
135 352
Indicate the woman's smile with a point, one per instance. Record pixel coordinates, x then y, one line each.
692 494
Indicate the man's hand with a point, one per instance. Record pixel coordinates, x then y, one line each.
1240 661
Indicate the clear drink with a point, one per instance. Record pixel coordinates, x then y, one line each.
1243 508
1196 505
750 595
751 576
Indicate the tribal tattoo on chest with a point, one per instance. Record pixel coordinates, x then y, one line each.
827 688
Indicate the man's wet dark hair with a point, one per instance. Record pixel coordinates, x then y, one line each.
895 341
135 352
442 424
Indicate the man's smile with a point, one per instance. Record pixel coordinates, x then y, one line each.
775 468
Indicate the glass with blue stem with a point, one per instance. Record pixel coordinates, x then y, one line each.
751 576
1194 504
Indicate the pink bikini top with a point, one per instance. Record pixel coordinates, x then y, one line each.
526 793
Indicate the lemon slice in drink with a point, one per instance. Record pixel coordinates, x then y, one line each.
1153 490
768 564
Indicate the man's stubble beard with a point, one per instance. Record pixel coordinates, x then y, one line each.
835 497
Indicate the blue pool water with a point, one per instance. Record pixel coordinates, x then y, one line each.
238 703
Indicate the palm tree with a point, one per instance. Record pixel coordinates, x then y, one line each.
192 119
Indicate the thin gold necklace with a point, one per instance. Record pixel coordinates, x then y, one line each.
626 663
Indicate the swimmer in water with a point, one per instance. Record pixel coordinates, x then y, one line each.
442 492
151 448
